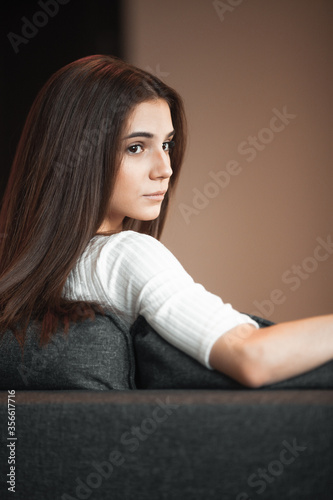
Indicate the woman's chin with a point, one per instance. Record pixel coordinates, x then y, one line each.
149 216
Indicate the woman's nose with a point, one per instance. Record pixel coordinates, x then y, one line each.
161 165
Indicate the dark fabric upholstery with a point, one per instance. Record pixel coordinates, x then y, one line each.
95 355
159 365
179 445
174 444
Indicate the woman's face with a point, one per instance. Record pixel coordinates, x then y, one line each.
145 169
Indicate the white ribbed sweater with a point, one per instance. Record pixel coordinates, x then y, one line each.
134 274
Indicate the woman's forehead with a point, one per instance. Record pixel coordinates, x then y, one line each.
150 116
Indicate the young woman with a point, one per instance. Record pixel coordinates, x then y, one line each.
85 205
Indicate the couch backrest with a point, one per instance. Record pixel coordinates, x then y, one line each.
95 355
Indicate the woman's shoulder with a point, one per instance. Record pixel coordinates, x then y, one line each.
126 238
124 257
127 244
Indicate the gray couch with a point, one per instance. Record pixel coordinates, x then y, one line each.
120 432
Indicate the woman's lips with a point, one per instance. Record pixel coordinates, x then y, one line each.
158 196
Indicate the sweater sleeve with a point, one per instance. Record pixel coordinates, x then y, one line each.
142 277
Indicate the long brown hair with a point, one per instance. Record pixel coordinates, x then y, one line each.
61 182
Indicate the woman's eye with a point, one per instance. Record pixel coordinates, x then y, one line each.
138 148
167 146
134 149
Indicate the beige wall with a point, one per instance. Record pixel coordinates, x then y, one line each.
233 70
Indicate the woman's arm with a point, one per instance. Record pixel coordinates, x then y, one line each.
261 357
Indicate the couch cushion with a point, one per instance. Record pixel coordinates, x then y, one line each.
160 365
95 355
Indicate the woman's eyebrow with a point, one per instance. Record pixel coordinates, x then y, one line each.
149 135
